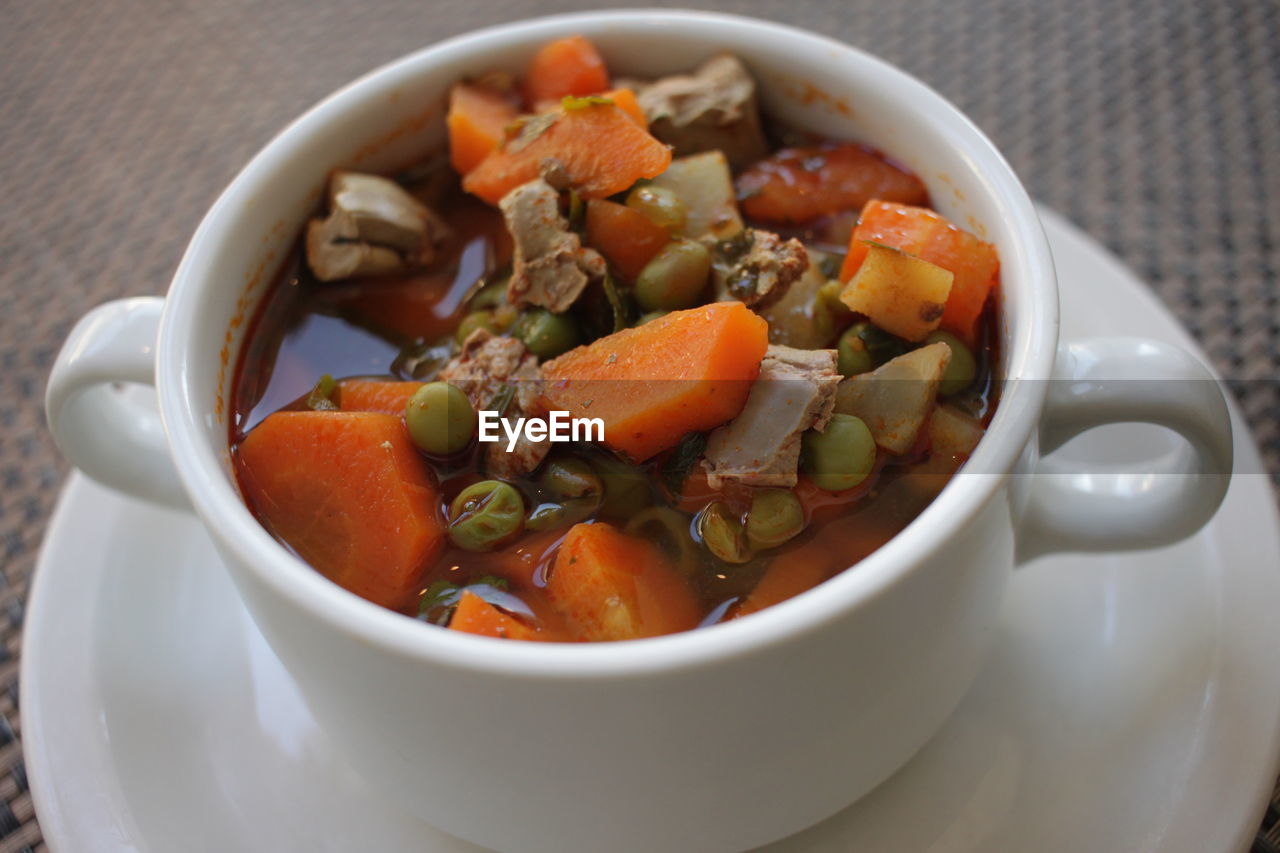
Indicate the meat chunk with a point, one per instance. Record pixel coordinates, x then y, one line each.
757 267
551 266
712 109
795 392
484 365
895 399
483 370
374 227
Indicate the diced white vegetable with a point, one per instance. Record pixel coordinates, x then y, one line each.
703 182
895 399
952 432
900 293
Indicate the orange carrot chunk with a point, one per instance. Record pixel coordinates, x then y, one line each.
348 492
624 98
629 104
687 371
601 147
799 570
474 615
799 185
567 66
477 119
626 237
922 232
611 586
374 395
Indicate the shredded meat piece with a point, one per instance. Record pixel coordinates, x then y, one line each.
712 109
551 266
795 392
374 227
486 366
757 267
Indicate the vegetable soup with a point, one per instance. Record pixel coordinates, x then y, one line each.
628 359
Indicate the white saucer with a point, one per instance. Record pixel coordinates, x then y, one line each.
1132 702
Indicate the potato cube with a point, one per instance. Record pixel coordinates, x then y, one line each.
900 293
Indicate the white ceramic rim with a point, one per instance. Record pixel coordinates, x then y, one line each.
1029 355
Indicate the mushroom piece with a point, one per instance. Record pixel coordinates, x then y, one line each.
794 392
712 109
374 227
895 399
551 267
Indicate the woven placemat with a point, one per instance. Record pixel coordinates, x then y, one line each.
1154 125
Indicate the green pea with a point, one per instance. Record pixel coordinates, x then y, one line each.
721 531
675 278
775 517
547 335
471 322
485 515
660 206
669 530
574 491
491 295
961 369
626 488
571 478
841 456
853 355
829 299
650 317
440 419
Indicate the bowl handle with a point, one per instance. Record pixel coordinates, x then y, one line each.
113 437
1127 380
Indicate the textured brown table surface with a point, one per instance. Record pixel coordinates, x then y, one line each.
1154 125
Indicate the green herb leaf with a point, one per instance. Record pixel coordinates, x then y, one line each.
877 244
438 602
572 102
320 398
502 398
743 285
441 598
519 133
830 265
882 345
423 361
577 211
734 248
616 303
679 465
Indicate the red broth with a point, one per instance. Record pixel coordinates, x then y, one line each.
402 328
305 329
